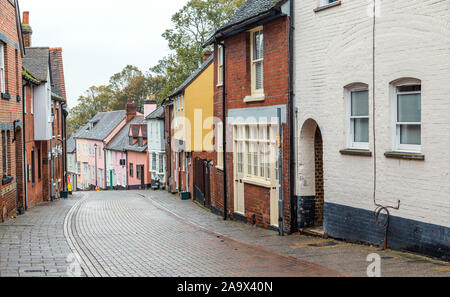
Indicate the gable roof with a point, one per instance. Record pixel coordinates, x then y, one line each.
121 142
250 12
193 76
36 62
158 114
71 142
57 72
101 125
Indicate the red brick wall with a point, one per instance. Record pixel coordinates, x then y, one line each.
11 110
276 87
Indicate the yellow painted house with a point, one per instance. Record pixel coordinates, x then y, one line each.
193 106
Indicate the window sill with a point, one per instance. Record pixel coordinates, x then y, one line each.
356 152
6 96
219 85
405 156
219 167
323 7
256 182
255 98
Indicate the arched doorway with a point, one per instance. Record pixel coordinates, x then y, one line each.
311 184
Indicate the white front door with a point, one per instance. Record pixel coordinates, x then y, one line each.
238 160
275 189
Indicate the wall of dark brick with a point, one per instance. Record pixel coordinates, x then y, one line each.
358 225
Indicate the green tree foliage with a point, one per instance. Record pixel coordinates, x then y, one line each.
192 26
128 85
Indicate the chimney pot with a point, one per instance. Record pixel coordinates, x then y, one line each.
26 17
206 55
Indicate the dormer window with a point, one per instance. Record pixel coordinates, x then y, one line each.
141 141
131 140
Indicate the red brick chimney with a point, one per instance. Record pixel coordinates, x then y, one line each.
131 110
206 56
26 29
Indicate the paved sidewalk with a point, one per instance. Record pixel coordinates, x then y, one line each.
34 244
346 258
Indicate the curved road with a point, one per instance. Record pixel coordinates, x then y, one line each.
125 234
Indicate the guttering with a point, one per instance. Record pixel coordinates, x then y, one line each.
292 154
238 27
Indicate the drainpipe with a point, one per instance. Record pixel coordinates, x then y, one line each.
52 197
280 174
294 225
96 169
25 171
224 127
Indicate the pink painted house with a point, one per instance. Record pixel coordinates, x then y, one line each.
91 143
127 154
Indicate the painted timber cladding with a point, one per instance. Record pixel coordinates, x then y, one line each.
333 48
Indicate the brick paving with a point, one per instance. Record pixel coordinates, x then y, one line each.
34 244
350 259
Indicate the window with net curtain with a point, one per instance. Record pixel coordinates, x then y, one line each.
258 61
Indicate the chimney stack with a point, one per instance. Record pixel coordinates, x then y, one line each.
26 29
150 105
131 111
206 55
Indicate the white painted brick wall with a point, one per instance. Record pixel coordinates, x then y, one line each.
333 48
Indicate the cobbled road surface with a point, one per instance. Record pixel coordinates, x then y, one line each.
124 234
146 233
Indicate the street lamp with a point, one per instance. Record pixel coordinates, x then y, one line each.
96 174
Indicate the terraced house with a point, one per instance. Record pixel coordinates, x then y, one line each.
44 117
372 93
251 98
12 187
91 141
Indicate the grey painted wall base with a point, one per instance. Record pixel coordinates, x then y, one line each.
358 225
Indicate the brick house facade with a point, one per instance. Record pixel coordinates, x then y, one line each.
44 117
12 188
252 120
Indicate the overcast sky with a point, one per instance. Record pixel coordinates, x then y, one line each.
100 37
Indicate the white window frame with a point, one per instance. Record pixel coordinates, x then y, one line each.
253 62
220 60
396 126
2 68
350 119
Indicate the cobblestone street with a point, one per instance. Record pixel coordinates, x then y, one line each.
146 233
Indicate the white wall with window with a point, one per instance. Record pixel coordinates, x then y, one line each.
411 92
